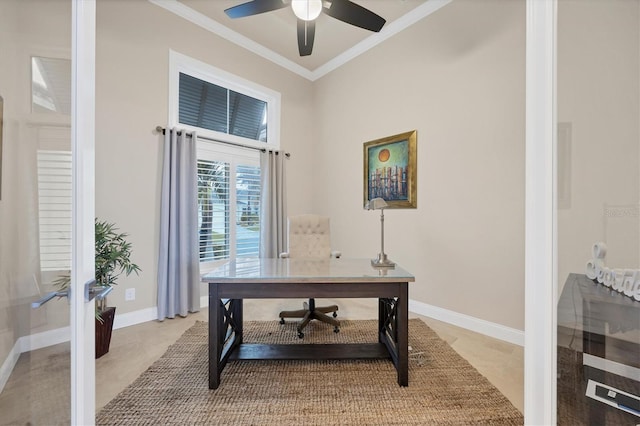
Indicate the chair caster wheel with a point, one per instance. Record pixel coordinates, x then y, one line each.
281 320
335 314
336 330
300 334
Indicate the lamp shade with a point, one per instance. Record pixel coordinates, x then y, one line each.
376 204
307 10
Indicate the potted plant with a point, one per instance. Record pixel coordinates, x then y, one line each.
112 259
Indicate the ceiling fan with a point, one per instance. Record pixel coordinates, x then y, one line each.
307 11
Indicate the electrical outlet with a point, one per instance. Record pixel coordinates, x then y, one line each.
130 294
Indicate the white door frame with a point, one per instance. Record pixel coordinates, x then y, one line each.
540 216
82 318
540 223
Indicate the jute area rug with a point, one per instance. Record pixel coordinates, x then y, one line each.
444 389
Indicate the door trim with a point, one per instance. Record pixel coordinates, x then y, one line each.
82 318
540 217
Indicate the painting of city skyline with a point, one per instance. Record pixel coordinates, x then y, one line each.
390 170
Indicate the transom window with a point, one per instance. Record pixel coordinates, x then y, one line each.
212 107
221 106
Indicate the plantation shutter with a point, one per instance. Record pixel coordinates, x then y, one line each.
54 208
248 210
213 209
228 204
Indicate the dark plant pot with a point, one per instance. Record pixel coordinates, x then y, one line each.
103 331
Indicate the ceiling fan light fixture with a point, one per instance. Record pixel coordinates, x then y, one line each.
307 10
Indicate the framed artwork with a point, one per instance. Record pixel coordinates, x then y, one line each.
390 170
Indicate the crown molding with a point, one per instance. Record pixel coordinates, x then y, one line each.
217 28
410 18
386 33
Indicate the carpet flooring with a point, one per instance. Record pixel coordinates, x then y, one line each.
444 389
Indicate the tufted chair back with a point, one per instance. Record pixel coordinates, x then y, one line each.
309 237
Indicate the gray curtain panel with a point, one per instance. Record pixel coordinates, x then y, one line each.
178 260
273 204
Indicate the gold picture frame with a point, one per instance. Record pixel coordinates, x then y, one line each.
390 170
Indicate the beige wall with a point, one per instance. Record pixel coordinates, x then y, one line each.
40 28
460 85
598 95
132 60
457 77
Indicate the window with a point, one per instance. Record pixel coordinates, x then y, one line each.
51 95
54 203
228 203
212 107
221 106
50 85
225 111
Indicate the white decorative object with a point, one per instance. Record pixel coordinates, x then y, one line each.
625 281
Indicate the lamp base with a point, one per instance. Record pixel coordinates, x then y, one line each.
382 262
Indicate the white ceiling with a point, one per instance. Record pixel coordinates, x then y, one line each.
273 34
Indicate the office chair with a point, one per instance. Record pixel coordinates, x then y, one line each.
308 238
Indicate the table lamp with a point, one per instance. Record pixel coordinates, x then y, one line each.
381 261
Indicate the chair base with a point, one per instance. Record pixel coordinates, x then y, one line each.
310 312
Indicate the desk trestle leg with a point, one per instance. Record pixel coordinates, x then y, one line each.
224 336
392 323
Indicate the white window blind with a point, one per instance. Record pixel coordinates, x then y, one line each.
54 206
213 210
228 204
247 210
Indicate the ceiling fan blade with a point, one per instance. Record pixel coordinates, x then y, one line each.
254 7
306 34
354 14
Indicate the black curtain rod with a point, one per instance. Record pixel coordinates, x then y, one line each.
162 129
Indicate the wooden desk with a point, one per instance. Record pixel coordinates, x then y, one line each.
304 278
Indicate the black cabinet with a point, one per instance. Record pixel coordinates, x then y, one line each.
598 355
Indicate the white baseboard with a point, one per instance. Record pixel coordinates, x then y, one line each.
477 325
8 364
30 343
44 339
135 317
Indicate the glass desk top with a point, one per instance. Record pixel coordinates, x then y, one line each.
305 270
